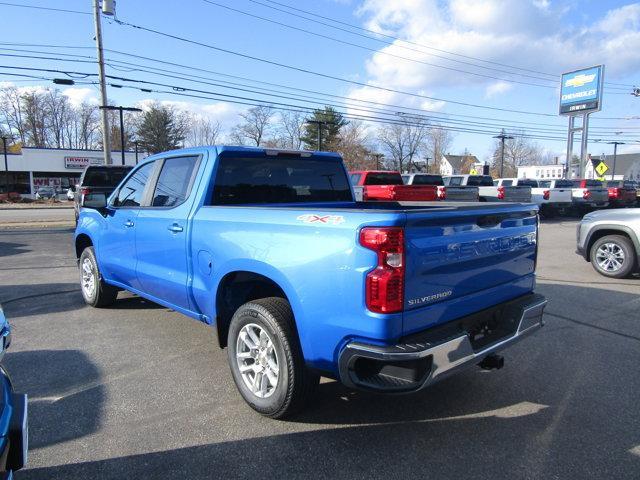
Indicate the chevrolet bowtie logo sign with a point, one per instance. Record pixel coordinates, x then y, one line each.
580 80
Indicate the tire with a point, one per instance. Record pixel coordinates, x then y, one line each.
613 256
95 291
269 320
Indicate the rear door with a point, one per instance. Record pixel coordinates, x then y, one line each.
161 232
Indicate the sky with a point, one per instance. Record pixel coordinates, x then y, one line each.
478 65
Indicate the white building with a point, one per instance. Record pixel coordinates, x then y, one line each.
58 168
455 164
541 171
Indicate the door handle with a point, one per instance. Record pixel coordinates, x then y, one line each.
175 228
128 223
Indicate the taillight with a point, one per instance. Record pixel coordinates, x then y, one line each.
442 193
614 192
546 194
85 191
384 285
586 194
500 193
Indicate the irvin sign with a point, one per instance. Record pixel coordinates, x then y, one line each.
80 163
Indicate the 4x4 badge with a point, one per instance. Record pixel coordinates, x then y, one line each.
326 219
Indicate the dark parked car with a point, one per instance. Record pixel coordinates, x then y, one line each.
13 415
99 179
621 193
45 193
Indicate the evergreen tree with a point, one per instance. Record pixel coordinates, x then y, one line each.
161 129
332 123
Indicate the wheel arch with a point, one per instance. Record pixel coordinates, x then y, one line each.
82 241
237 288
603 230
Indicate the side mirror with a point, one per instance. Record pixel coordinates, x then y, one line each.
94 200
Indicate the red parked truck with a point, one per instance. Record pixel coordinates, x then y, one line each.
381 185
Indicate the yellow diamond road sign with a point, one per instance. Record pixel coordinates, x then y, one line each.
473 171
601 168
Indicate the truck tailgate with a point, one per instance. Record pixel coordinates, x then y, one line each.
454 254
517 194
462 194
406 193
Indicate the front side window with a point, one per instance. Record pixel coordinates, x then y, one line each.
174 181
453 181
130 194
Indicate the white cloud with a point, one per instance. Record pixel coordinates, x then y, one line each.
77 95
534 34
497 88
225 113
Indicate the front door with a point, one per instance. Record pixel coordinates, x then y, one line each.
161 232
117 258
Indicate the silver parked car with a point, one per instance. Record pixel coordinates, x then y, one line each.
610 240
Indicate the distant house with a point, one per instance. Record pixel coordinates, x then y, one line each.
541 171
627 166
458 164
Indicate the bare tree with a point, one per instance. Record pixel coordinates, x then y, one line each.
59 115
35 119
517 151
403 142
438 144
289 130
202 131
12 112
255 125
354 147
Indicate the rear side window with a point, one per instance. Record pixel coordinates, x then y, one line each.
428 180
480 181
174 181
130 194
104 176
355 178
242 181
545 183
507 183
453 181
383 178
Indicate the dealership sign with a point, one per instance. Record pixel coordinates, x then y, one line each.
581 91
80 163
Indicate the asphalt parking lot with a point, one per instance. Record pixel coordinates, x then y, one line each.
139 391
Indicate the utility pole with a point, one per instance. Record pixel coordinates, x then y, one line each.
135 144
426 159
615 154
503 136
104 108
106 140
6 165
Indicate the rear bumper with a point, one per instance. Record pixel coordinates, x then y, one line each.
429 356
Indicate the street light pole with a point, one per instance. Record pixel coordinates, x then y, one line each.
121 109
503 136
615 155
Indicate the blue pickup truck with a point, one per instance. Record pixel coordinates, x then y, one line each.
300 281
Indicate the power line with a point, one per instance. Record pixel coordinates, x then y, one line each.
381 52
183 76
182 91
319 74
355 27
394 38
